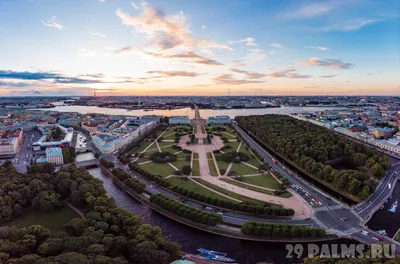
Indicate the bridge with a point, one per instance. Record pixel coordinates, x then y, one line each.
87 163
197 118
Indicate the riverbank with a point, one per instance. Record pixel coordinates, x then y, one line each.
221 229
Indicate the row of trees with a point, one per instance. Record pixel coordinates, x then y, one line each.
162 157
69 155
107 234
186 211
127 179
107 164
312 147
240 207
253 228
233 156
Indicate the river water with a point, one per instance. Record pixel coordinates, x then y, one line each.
245 252
205 113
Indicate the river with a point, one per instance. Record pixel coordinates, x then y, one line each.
245 252
205 113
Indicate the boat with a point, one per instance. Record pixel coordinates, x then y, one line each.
393 208
214 255
210 252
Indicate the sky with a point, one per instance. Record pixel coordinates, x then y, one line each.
203 47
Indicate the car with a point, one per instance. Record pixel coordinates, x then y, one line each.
343 219
208 208
220 213
375 238
151 186
365 233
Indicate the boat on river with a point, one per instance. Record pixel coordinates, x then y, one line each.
207 254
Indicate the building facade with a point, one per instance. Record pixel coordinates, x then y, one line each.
219 120
54 155
179 120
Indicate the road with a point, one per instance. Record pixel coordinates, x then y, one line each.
331 218
26 153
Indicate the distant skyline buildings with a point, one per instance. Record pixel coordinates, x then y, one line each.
225 47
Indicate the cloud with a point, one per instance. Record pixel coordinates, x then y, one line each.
249 75
53 23
165 31
174 73
187 57
229 80
52 77
102 1
203 27
86 52
315 47
347 26
276 45
256 54
313 9
288 73
249 41
327 63
96 34
328 76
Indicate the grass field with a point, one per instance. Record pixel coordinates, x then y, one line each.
195 155
169 149
169 135
162 169
222 165
192 186
213 170
180 155
180 163
234 195
144 145
242 169
54 221
234 145
253 161
164 144
196 168
266 181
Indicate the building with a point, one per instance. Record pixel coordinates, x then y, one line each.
10 142
89 126
110 142
219 120
179 120
43 143
54 155
380 133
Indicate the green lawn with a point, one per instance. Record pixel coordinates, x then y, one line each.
266 181
192 186
164 144
196 168
162 169
222 165
169 135
169 149
256 189
209 155
196 155
144 145
181 155
253 161
242 169
233 194
180 163
54 221
213 170
234 145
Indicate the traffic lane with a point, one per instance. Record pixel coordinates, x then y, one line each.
333 219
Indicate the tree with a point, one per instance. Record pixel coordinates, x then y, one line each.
186 170
46 201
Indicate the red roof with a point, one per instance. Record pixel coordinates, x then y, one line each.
355 129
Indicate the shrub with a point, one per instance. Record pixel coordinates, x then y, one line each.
186 170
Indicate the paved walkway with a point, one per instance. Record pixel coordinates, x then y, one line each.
215 164
302 211
208 188
175 168
145 162
229 134
79 212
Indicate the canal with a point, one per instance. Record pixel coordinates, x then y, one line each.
245 252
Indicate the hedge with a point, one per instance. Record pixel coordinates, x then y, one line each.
186 211
241 207
156 178
264 229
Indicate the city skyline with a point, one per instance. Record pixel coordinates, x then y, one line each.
348 47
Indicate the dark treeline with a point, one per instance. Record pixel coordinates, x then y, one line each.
311 146
107 235
185 211
263 229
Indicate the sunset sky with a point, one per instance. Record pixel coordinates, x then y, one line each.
203 47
